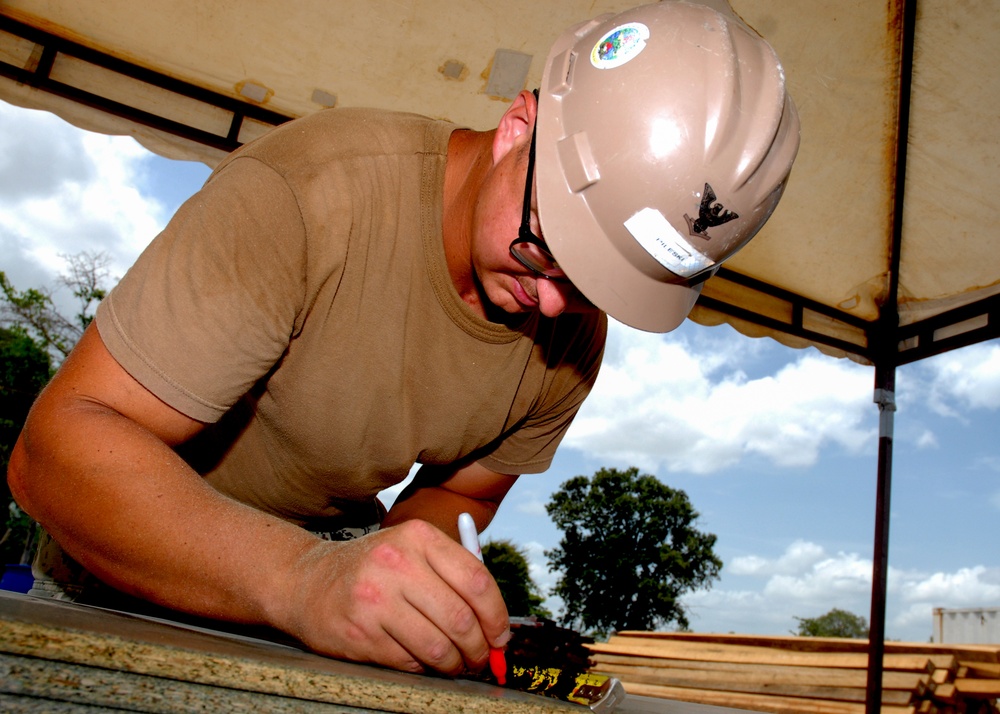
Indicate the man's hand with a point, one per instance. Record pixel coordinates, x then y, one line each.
407 597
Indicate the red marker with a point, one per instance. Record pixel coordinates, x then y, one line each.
498 665
470 539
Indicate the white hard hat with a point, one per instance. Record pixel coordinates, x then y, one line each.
665 137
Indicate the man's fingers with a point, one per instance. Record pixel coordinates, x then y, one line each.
470 579
444 586
427 643
457 610
453 638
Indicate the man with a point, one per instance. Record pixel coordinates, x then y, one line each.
359 291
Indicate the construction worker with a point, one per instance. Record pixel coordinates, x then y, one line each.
359 291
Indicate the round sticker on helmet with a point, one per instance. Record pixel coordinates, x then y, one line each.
619 46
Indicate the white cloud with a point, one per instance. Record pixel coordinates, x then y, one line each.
845 576
966 587
65 191
660 403
544 578
926 440
968 378
533 507
739 611
538 566
804 581
39 154
920 594
799 556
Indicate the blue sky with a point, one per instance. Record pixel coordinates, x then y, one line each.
776 448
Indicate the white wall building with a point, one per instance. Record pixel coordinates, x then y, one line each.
970 626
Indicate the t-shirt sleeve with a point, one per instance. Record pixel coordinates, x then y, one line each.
574 360
211 304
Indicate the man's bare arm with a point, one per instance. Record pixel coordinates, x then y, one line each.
95 465
438 494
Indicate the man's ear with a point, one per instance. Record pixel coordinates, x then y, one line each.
515 125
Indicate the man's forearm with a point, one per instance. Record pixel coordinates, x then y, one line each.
123 504
440 507
438 495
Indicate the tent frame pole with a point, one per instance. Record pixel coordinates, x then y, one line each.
885 340
885 397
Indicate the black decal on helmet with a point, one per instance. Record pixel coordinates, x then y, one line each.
709 215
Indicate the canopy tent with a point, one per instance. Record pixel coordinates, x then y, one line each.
877 252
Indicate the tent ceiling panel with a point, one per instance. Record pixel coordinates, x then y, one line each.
839 61
953 175
382 53
818 274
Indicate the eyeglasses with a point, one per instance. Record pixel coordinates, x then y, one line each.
530 250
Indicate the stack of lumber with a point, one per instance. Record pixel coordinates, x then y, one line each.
801 675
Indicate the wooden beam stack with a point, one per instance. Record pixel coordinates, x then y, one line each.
801 675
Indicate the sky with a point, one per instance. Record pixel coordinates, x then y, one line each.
775 448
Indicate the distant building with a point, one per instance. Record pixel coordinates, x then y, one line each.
971 626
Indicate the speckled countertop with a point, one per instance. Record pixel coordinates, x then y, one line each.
65 657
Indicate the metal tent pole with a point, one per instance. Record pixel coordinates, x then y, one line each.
885 397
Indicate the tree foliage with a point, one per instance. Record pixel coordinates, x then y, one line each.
509 567
629 551
25 367
836 623
35 311
34 335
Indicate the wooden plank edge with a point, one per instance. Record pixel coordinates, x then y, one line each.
824 676
757 702
759 655
974 653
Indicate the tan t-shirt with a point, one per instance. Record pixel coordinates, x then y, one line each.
300 303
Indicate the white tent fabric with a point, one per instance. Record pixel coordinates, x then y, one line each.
829 243
882 250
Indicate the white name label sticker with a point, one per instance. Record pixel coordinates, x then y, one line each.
661 240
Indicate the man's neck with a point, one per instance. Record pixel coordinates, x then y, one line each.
469 159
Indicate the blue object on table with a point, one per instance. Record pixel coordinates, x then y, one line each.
17 578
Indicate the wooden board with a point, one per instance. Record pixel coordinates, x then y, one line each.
764 655
966 653
754 702
66 654
801 674
842 685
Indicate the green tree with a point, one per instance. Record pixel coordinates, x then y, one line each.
34 336
836 623
509 567
35 311
25 367
629 551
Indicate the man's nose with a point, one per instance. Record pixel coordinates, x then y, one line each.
554 296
